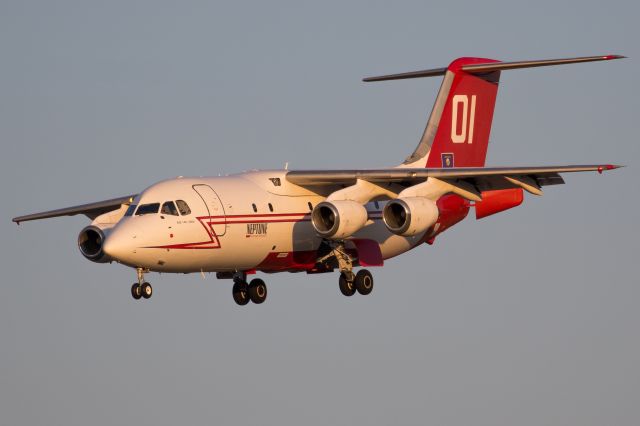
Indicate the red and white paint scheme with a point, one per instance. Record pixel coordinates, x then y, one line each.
318 221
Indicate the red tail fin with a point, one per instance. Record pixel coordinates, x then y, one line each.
463 119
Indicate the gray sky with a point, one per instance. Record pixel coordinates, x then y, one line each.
529 317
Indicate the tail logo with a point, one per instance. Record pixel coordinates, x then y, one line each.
461 102
447 160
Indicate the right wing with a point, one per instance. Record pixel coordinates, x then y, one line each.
91 210
468 182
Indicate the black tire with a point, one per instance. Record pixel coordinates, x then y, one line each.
136 292
146 290
364 282
346 287
257 291
241 293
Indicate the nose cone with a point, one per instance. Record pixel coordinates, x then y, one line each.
116 245
131 242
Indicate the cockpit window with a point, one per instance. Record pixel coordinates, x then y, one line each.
183 207
131 209
169 208
148 209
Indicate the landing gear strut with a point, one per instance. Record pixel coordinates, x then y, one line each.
243 292
349 283
141 288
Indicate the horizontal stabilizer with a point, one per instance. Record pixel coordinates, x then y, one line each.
493 66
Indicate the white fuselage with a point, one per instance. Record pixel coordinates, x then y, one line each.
250 221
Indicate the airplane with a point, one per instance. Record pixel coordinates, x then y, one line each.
320 221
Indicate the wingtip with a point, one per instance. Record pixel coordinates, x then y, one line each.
608 167
609 57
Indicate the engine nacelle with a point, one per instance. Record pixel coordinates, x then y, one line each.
410 216
90 242
338 219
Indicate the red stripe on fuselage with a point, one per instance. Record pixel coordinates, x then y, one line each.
246 218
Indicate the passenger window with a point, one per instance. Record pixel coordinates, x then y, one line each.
255 209
270 207
169 208
310 205
148 209
131 209
183 207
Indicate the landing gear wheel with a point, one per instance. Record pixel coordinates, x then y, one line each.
241 292
364 282
257 291
146 290
136 292
346 287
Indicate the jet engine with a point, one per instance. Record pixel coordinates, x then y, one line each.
410 216
338 219
90 242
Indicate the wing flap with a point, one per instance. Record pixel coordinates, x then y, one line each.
91 210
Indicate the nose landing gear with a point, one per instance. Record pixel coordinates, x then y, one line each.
141 289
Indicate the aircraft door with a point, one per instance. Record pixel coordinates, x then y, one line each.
214 207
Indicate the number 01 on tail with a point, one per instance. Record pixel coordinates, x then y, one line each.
462 110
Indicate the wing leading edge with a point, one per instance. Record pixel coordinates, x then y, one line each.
91 210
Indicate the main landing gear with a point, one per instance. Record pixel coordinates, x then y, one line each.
141 288
362 282
349 283
243 292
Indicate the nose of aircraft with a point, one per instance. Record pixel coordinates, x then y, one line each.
118 245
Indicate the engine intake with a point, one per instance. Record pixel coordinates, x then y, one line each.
410 216
338 219
91 242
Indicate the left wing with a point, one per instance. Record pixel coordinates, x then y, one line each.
91 210
477 180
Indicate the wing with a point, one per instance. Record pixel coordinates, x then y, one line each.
482 179
91 210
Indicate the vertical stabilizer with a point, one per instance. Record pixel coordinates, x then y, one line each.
457 133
